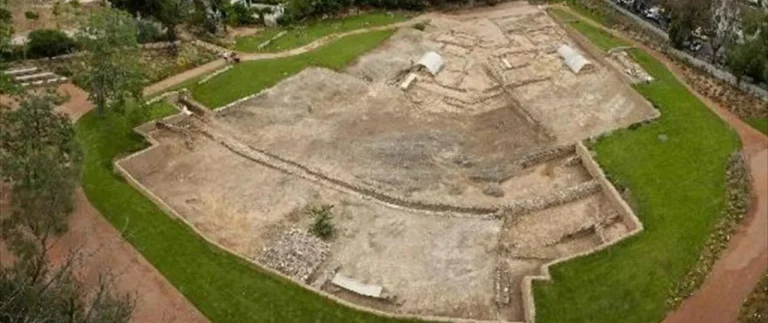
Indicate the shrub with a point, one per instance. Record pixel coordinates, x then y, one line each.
420 26
49 43
148 32
31 15
322 227
240 15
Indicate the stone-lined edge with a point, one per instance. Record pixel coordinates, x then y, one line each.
628 216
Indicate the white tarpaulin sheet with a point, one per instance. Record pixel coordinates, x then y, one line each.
357 287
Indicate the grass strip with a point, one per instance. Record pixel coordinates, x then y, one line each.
297 36
251 77
678 190
759 124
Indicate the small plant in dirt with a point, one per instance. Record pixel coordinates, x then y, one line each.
31 15
420 26
322 227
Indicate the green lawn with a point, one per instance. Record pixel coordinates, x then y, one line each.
599 37
297 36
759 124
678 187
251 77
220 285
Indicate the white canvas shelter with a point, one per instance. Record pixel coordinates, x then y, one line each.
575 61
432 61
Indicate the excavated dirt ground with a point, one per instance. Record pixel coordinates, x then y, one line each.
408 172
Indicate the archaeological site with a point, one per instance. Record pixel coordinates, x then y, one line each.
453 158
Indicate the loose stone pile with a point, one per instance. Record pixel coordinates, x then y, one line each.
295 253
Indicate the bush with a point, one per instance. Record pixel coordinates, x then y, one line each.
420 26
31 15
49 43
240 15
322 227
149 32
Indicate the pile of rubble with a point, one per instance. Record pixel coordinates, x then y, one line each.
630 67
295 253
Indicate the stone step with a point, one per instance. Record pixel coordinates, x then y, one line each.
20 71
47 82
34 77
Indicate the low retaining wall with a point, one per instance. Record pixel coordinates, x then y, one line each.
630 219
626 213
553 199
149 46
214 74
161 45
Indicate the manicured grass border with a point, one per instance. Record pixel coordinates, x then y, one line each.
251 77
300 35
678 189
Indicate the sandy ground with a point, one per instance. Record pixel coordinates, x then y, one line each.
372 136
745 260
156 299
476 78
431 263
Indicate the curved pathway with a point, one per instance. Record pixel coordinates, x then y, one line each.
220 63
745 260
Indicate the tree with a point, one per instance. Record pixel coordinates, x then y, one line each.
41 160
687 16
112 71
58 297
6 32
749 57
49 43
171 14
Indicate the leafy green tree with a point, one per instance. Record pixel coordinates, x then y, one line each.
750 57
6 32
171 13
58 297
49 43
41 160
685 19
112 73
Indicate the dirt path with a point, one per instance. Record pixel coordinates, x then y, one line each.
745 260
106 251
183 77
220 63
325 40
157 300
